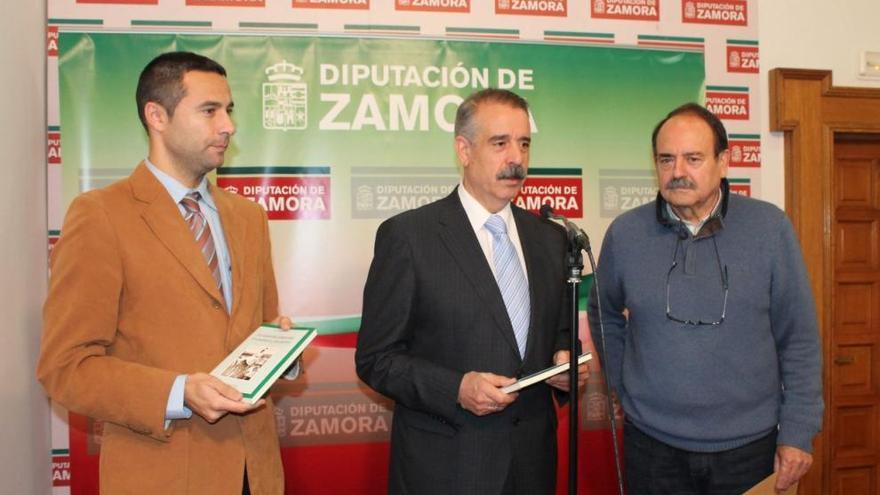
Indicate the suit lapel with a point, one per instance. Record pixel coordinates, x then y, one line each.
460 240
165 221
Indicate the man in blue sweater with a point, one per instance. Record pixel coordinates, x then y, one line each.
711 339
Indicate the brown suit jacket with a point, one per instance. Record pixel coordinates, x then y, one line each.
131 305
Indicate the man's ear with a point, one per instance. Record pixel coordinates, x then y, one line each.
156 116
463 150
724 162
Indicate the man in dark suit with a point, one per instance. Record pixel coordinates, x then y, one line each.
464 295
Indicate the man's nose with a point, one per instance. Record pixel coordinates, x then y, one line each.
515 155
227 126
679 168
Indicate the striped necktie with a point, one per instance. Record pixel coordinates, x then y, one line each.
511 280
198 224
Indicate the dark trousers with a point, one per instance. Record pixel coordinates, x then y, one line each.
655 468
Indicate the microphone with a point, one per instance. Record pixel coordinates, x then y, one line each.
575 234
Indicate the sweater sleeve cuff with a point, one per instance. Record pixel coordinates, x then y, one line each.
796 435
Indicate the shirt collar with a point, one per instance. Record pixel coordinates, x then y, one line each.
695 227
477 214
178 190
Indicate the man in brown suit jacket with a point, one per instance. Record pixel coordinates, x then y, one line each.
137 311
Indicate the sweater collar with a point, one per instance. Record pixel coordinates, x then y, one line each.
710 227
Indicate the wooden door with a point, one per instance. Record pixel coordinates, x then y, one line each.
854 406
832 195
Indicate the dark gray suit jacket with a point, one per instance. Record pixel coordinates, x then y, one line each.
432 312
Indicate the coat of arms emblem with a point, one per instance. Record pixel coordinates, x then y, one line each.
285 98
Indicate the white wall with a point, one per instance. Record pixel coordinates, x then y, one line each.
810 34
24 412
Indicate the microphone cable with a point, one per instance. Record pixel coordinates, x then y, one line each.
604 364
578 235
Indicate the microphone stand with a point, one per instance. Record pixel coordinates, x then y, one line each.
575 262
578 241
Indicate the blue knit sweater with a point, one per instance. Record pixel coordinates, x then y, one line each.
711 388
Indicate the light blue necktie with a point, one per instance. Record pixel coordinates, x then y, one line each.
511 280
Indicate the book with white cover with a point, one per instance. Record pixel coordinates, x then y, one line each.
544 374
261 359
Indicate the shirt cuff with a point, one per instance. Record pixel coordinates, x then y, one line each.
175 408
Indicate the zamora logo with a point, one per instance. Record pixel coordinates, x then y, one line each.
532 5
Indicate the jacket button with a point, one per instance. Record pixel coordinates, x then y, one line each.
216 305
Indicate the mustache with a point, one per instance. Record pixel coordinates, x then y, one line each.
680 183
514 171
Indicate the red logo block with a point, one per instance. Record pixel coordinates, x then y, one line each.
728 105
724 12
284 198
332 4
433 5
745 153
743 189
123 2
61 470
557 8
630 10
565 195
742 59
53 148
226 3
52 41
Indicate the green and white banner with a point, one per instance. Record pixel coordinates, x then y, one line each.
335 134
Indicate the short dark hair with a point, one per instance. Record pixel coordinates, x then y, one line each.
464 116
161 81
714 123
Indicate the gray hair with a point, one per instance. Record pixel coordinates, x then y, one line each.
464 117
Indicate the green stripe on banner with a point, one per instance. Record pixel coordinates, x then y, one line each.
273 171
54 128
407 171
556 171
382 27
740 89
277 25
739 181
462 30
159 23
334 326
744 136
743 42
76 22
584 292
60 451
350 324
651 37
608 172
579 35
54 232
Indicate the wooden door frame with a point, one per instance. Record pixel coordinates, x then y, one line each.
810 111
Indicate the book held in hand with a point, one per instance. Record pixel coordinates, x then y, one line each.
544 374
261 359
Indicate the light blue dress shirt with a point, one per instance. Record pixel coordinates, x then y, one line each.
175 408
